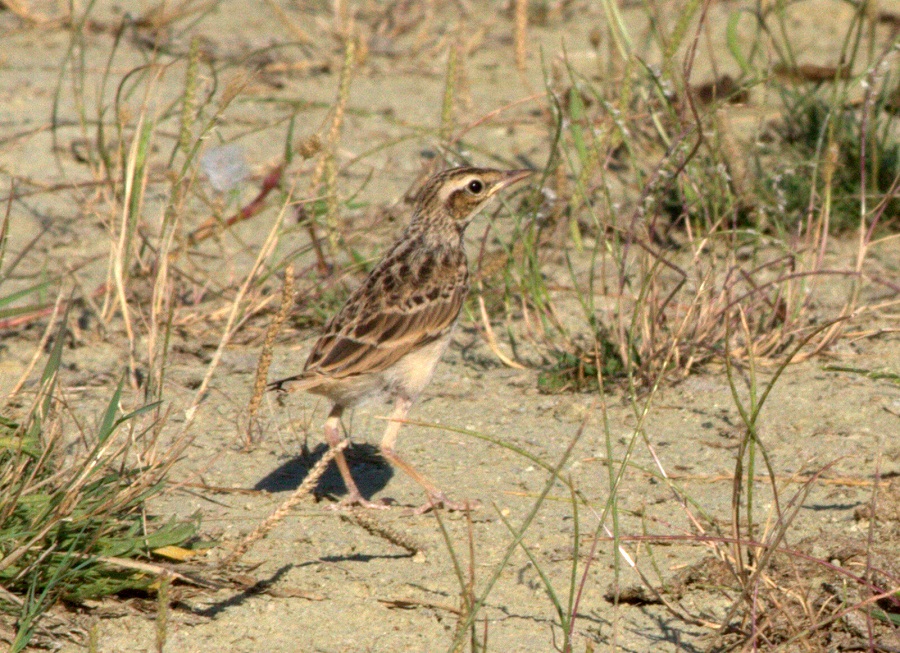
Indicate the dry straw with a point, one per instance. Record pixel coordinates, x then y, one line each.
521 35
327 165
447 122
282 511
370 524
232 321
265 358
329 161
189 100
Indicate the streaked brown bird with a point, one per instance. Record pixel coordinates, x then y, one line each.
390 334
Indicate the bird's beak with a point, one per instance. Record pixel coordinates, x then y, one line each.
512 176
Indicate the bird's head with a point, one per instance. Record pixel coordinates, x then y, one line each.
460 193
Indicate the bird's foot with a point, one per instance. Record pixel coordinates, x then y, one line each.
356 500
439 500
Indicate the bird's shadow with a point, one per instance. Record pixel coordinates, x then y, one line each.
370 471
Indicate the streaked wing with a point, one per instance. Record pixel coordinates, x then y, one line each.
381 339
397 310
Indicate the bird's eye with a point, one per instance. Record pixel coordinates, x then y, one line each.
475 186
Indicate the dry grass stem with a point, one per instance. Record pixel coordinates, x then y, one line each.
368 522
312 478
121 258
450 83
491 339
521 34
265 357
297 32
162 612
329 161
39 350
189 100
233 314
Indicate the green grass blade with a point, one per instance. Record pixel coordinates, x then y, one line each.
108 423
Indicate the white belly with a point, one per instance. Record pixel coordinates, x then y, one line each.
411 374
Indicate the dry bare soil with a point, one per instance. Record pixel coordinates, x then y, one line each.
318 582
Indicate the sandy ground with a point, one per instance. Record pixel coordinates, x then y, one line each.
331 585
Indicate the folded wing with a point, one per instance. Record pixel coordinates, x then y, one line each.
369 339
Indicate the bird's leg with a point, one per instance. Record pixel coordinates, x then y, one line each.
333 437
436 498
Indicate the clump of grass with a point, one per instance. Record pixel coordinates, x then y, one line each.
577 371
812 131
682 242
69 523
735 283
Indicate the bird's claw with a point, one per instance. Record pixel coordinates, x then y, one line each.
439 500
357 501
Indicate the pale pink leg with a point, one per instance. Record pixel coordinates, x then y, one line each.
333 437
436 498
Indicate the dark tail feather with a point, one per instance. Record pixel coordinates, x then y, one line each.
278 386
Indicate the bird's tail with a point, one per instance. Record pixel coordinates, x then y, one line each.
295 383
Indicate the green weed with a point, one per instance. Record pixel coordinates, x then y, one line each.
67 521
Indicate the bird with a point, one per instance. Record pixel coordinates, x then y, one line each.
386 340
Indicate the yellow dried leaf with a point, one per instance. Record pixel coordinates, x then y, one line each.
177 553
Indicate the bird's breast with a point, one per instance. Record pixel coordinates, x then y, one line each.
410 375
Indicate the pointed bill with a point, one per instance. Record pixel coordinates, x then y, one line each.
511 177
